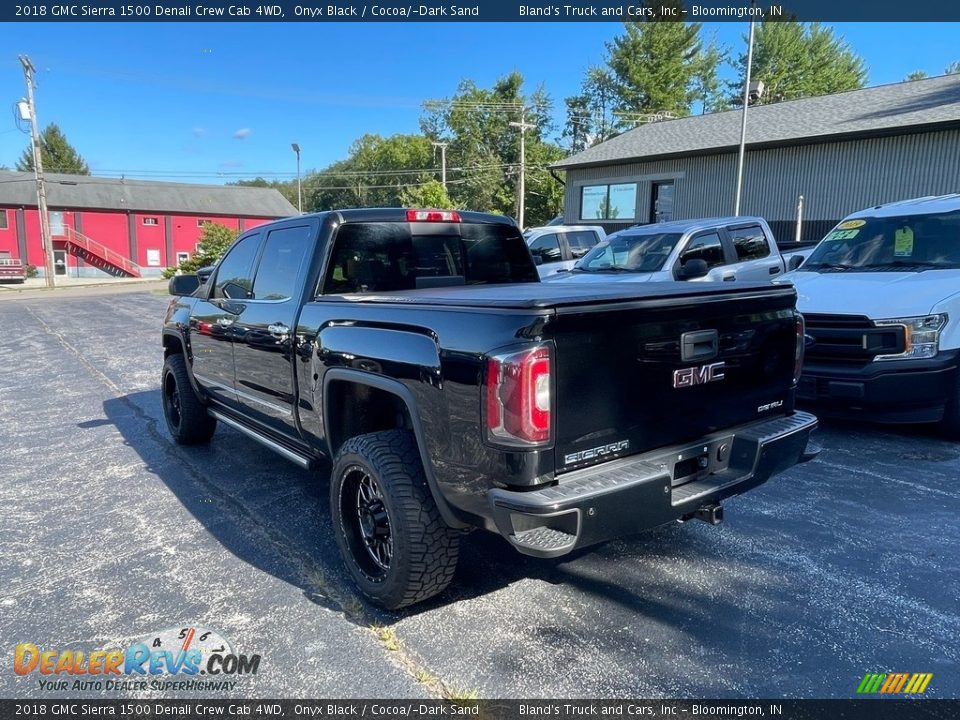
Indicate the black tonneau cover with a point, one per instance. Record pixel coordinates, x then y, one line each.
525 296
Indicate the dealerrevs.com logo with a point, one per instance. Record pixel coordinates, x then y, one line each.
181 653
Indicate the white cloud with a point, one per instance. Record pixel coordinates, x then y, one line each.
199 132
242 133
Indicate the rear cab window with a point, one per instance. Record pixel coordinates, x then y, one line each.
388 257
749 242
547 248
581 242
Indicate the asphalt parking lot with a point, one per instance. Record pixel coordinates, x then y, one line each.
846 565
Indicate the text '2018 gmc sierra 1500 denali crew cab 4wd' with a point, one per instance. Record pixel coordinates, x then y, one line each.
418 351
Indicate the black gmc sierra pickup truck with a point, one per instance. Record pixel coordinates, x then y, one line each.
419 353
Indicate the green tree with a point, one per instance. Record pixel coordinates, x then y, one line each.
654 64
214 241
589 113
796 60
430 194
708 89
483 150
953 68
58 155
915 75
375 174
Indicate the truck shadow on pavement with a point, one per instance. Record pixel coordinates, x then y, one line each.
275 517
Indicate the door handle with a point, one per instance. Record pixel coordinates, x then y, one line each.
774 270
729 278
224 322
279 331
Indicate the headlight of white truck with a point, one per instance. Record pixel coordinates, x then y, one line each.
921 336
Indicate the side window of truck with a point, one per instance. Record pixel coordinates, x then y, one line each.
750 243
280 263
707 247
581 242
547 248
235 273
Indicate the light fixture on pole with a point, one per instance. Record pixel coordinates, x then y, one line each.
296 149
743 119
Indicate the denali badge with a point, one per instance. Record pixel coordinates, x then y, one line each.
688 377
596 452
769 406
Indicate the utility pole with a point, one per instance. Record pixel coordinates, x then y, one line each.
296 149
743 121
524 126
28 71
443 161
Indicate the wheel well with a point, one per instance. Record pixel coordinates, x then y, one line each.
172 346
356 409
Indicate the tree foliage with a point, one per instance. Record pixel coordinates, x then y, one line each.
796 60
376 173
214 241
58 155
590 118
431 194
654 64
483 149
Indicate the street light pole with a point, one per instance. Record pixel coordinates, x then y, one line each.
524 126
296 149
743 123
28 71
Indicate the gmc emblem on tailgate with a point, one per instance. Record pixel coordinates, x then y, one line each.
688 377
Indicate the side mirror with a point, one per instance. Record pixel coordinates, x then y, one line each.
183 285
795 262
692 269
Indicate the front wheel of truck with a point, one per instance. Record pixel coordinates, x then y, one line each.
393 540
187 418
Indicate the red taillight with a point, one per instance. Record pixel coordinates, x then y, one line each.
519 397
801 345
433 216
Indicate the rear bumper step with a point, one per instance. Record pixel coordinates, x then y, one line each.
632 494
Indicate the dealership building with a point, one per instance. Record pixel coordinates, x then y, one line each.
103 227
841 152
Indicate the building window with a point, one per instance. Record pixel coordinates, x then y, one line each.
182 257
608 202
3 220
150 221
201 223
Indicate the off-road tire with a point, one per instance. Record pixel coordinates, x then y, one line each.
187 418
423 548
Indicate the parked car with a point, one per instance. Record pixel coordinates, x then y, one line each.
451 389
881 297
558 247
12 269
709 249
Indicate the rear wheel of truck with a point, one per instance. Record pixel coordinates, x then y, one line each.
187 418
393 540
950 425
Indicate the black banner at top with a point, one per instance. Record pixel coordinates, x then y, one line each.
480 11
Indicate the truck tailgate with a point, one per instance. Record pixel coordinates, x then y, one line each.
631 377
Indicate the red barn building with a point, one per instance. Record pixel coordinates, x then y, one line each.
122 228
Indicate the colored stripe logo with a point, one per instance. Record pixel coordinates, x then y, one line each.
894 683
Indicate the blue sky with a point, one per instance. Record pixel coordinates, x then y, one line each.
205 102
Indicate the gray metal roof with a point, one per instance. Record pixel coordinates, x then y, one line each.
98 193
875 110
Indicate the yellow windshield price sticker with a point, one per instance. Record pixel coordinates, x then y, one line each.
903 242
851 224
842 235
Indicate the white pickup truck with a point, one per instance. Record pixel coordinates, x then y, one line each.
709 249
881 299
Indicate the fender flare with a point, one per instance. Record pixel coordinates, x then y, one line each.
394 387
179 337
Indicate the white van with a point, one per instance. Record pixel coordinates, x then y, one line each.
881 298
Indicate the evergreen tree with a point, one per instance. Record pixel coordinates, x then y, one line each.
58 155
796 60
654 64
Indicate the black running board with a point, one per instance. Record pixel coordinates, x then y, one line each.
281 449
